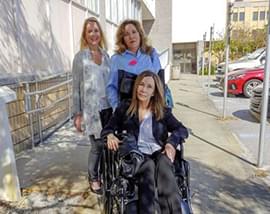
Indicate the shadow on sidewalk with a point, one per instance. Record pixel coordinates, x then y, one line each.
217 191
244 115
198 110
222 149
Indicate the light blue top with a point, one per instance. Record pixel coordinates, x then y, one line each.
130 62
147 144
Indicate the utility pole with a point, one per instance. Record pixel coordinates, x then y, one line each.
227 52
209 58
203 57
264 100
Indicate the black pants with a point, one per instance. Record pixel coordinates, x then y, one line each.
157 172
95 153
169 196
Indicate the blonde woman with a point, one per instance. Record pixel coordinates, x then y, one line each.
90 70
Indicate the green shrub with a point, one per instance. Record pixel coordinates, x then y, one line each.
213 70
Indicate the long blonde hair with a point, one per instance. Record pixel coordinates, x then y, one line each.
84 44
120 43
157 102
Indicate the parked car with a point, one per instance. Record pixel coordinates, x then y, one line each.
256 102
252 60
243 81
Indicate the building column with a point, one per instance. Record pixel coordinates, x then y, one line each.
9 181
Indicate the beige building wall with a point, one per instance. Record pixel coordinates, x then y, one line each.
159 30
42 36
250 9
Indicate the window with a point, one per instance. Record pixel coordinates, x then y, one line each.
242 16
129 9
92 5
132 9
120 10
262 15
114 9
255 16
235 17
108 10
137 9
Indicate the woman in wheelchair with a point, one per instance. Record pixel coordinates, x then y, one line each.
149 121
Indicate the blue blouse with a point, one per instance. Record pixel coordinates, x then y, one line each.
147 144
130 62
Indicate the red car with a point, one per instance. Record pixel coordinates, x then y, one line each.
243 81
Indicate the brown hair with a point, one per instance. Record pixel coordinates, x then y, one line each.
157 102
84 44
120 43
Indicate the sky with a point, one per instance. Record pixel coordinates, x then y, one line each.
192 18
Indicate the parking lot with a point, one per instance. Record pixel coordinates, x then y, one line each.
243 125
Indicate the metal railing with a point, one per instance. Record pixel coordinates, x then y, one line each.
49 95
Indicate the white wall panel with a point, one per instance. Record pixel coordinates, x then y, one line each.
78 17
60 26
110 36
8 48
35 36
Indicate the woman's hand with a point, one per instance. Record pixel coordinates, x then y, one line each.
112 142
170 151
78 121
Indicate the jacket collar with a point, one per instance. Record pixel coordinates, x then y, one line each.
128 52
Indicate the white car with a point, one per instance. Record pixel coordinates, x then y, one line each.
252 60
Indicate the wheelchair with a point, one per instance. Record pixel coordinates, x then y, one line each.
120 189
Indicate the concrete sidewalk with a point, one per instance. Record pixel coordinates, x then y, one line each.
222 177
223 180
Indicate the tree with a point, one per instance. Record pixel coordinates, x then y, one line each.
243 41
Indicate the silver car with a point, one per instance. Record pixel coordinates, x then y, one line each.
252 60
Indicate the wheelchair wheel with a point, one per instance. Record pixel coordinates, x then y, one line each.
112 202
113 206
185 189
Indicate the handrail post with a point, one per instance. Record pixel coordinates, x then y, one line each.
28 105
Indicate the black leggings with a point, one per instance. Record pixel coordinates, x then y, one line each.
96 148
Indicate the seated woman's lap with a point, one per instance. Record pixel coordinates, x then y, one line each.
168 192
146 186
157 172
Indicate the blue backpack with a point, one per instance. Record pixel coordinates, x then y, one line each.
168 96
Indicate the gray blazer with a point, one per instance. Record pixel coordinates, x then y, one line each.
89 83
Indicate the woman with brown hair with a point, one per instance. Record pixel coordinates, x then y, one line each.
90 71
133 54
149 121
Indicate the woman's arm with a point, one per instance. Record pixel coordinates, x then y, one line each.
114 124
77 73
155 60
178 131
112 85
